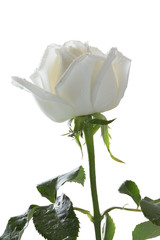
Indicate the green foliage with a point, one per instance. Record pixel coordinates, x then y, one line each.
49 188
106 138
77 176
108 228
16 225
145 230
131 189
101 121
57 221
77 131
98 121
77 138
85 212
151 209
79 124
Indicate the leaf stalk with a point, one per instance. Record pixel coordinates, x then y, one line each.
120 208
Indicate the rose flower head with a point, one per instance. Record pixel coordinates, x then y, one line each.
76 79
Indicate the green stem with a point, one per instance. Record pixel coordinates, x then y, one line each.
88 132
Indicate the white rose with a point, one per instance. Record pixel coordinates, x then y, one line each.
76 79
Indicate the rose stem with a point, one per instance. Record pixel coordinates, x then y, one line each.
88 132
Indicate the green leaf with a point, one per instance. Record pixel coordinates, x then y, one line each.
145 230
151 210
16 225
131 189
108 228
57 221
77 176
49 188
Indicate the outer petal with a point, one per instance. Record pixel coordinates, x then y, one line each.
54 63
121 67
106 88
77 82
53 106
47 75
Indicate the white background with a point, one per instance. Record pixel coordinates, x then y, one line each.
32 149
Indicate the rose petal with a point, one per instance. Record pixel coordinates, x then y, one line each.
76 48
55 62
65 60
54 107
76 84
46 76
37 79
96 51
121 67
105 89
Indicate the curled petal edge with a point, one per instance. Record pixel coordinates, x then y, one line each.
39 92
56 108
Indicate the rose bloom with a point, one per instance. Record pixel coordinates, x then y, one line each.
76 79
